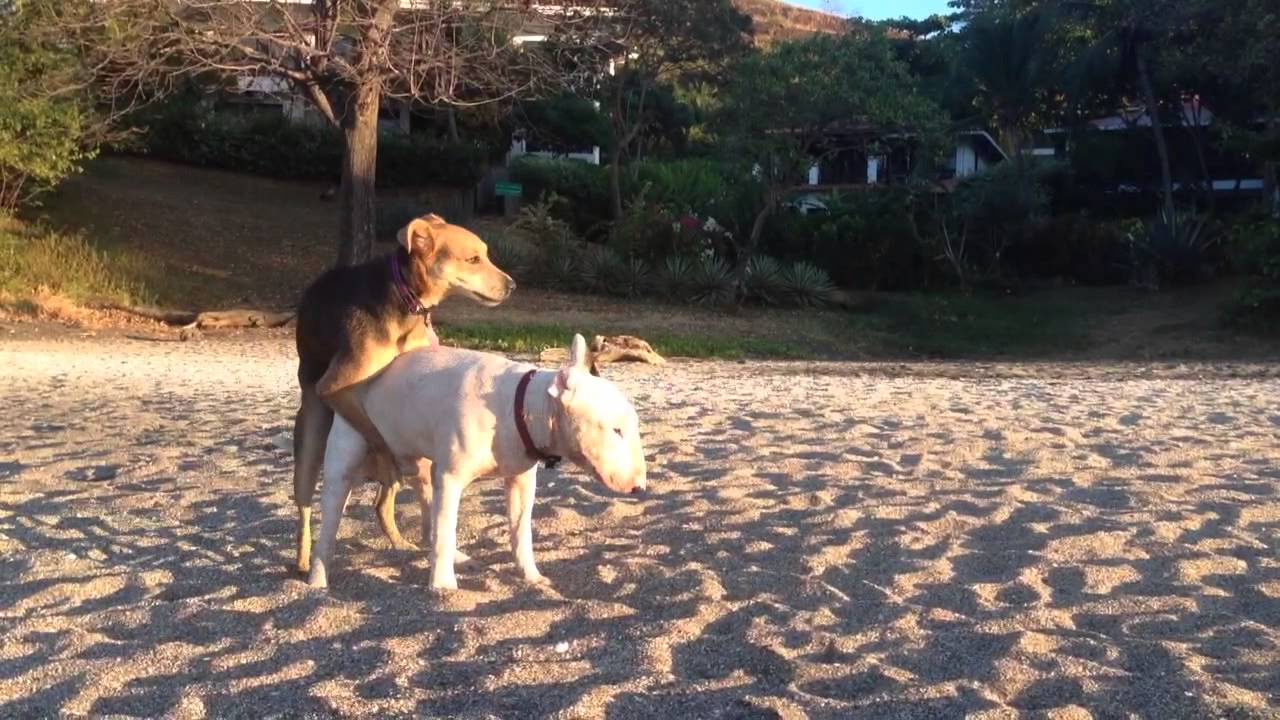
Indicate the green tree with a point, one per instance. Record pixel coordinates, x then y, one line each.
783 103
45 131
667 42
347 57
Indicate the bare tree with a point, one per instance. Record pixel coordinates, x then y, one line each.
346 56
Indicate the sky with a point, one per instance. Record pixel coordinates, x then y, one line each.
877 9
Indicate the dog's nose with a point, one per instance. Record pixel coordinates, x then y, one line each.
638 490
511 285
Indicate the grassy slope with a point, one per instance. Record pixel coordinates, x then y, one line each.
207 240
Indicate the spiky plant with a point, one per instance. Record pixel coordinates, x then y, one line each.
806 284
632 278
712 282
599 268
512 254
675 278
764 280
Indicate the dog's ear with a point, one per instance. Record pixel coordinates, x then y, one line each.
578 356
420 233
574 369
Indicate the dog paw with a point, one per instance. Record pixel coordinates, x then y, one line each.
440 585
317 578
537 579
403 544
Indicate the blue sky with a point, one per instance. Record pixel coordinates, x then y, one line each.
877 9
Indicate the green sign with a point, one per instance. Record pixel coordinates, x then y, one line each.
508 189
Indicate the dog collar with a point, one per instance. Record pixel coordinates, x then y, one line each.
548 461
411 302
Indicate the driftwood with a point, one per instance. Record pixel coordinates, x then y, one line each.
190 320
609 349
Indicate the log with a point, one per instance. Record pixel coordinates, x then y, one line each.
620 348
190 320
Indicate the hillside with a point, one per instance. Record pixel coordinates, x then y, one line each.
776 20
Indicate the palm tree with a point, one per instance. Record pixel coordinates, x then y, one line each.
1006 60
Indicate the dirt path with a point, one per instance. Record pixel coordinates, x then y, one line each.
825 541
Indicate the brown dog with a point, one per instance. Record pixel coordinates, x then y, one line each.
353 321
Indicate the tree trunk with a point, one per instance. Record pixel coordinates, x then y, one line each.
1270 192
747 251
357 218
1157 129
452 119
615 185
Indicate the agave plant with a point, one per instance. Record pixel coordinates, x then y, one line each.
1171 248
560 267
764 280
599 268
512 254
675 277
712 282
635 278
806 284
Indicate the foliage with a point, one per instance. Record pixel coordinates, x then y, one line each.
765 280
1171 249
1253 245
583 186
43 132
806 284
565 122
676 277
711 282
690 185
781 105
274 146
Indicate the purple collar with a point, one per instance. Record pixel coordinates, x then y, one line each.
548 461
411 302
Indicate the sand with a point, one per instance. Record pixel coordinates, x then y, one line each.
823 541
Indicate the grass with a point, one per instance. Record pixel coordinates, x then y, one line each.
35 260
966 326
205 240
534 338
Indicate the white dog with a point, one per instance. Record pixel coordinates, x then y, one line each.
477 415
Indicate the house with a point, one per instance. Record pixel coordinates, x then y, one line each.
866 159
1115 152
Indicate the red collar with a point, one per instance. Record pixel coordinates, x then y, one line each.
548 461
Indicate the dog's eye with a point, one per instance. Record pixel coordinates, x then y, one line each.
617 431
474 260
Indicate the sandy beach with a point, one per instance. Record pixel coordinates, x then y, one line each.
821 541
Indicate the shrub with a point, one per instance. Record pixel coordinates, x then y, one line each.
1171 249
538 220
42 137
584 187
512 254
765 280
1253 246
691 186
272 145
806 284
711 282
676 277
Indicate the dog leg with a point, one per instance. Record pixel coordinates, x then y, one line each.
343 457
386 507
310 429
337 388
520 492
446 491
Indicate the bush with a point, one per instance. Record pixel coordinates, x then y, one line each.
42 137
691 186
806 285
583 187
274 146
1253 246
865 240
764 280
1170 250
